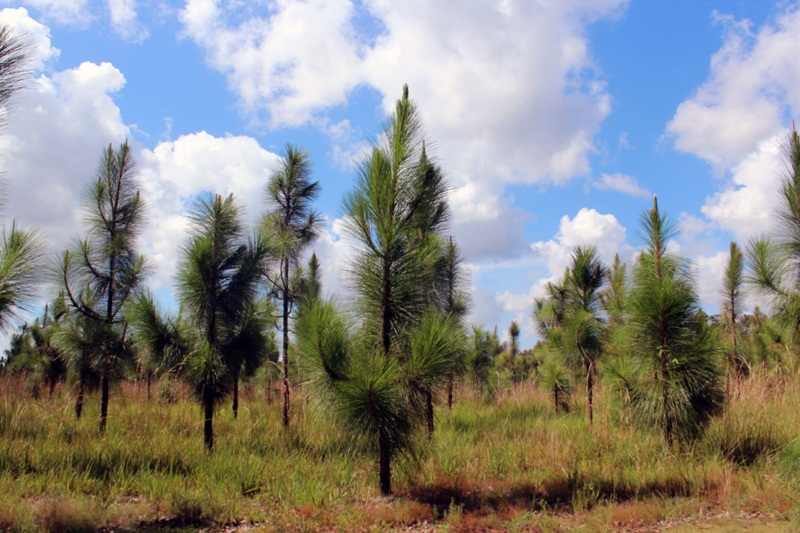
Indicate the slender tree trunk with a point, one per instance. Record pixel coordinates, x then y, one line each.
429 424
109 321
450 306
590 392
208 393
269 386
450 393
51 388
104 399
728 371
555 398
731 365
149 381
79 399
737 367
385 464
286 342
208 426
235 394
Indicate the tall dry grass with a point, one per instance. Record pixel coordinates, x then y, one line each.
511 461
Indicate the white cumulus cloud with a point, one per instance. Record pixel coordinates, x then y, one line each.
121 15
174 173
552 257
336 252
69 12
125 21
297 60
738 120
746 206
511 86
588 228
752 90
37 34
708 271
56 132
620 183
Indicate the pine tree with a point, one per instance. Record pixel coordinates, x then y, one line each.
677 383
81 340
480 359
733 281
773 262
21 251
107 265
218 285
291 225
571 321
380 387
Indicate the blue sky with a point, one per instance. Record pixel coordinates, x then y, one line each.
556 121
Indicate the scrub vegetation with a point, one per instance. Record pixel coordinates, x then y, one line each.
634 411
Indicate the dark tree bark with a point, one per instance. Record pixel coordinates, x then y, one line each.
286 391
385 465
104 401
450 393
79 400
555 399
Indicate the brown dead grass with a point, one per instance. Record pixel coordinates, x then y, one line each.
61 515
634 513
517 467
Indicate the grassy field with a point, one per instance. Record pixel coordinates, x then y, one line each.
509 464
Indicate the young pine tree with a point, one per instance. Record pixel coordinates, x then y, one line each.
480 359
107 265
218 283
774 261
20 250
571 319
733 281
81 339
585 329
677 384
380 385
291 225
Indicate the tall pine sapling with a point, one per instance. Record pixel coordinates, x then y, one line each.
292 225
106 265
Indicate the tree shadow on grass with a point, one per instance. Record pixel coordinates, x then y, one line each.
564 493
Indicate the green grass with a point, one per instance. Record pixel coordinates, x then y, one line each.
508 464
